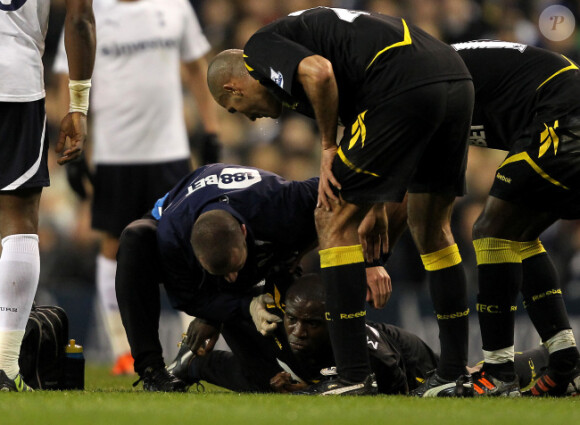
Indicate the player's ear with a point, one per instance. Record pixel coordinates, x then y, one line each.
232 89
244 230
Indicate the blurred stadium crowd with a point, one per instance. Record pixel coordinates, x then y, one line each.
289 147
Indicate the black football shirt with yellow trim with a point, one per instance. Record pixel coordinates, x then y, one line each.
374 57
516 84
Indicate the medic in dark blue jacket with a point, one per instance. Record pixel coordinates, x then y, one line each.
278 215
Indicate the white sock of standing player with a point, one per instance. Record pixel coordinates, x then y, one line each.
107 300
19 274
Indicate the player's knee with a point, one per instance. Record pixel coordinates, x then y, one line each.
421 230
322 219
431 237
478 231
483 227
137 233
330 227
19 210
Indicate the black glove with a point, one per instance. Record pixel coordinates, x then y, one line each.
209 148
76 173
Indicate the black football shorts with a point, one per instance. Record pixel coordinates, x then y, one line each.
415 141
542 171
123 193
23 145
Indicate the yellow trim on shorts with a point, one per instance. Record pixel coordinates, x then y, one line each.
571 67
496 251
353 167
529 249
523 156
442 259
358 130
341 256
406 41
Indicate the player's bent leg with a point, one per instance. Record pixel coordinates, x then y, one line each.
499 272
137 287
544 303
499 279
429 222
19 274
343 273
519 227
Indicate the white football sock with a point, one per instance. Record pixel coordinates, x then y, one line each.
562 340
19 273
503 355
106 270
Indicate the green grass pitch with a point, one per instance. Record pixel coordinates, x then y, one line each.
113 400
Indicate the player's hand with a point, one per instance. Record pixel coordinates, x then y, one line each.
210 149
72 137
372 233
282 382
327 180
77 173
379 287
265 321
201 336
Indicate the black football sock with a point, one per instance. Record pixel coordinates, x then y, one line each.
499 277
545 306
447 285
564 360
541 291
344 276
502 371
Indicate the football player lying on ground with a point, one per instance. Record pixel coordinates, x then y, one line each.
212 240
400 360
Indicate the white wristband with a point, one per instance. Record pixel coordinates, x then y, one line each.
79 95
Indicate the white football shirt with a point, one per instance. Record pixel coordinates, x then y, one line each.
136 97
23 25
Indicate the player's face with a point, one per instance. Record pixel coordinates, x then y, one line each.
306 327
254 101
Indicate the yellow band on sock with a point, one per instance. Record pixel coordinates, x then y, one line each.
496 251
442 259
529 249
341 255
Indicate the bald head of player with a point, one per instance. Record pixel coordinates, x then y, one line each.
234 89
219 244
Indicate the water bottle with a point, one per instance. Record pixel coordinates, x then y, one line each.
74 370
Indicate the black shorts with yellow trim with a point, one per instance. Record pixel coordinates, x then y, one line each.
415 141
542 172
23 145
